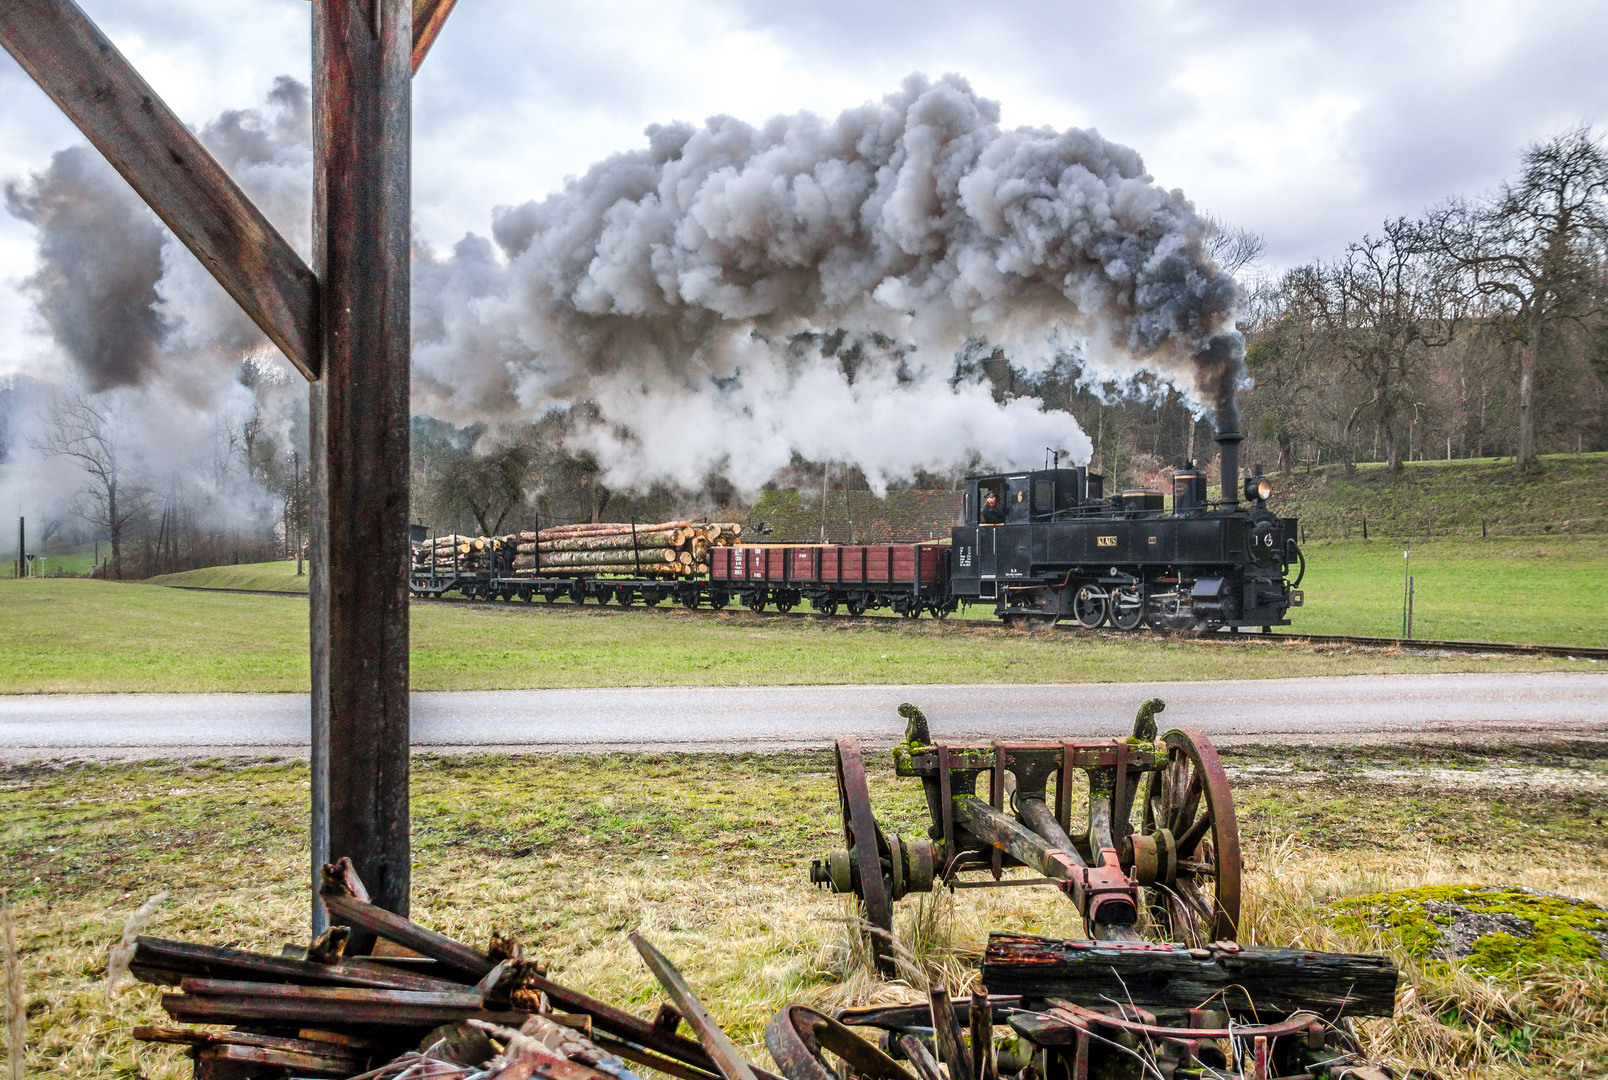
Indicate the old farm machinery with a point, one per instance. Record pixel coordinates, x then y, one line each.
1173 875
1140 835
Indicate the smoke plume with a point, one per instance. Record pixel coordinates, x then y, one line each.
672 286
722 300
100 257
204 404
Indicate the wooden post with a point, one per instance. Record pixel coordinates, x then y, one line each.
352 314
362 64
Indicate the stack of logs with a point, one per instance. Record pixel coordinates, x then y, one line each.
664 549
424 1005
455 554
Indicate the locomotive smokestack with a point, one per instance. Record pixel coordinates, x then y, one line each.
1229 441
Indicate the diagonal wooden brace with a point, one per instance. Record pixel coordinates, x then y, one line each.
165 163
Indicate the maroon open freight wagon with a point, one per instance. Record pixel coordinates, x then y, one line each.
909 578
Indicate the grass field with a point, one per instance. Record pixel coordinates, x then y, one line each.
708 856
1549 590
64 636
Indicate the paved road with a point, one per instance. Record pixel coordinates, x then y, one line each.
726 718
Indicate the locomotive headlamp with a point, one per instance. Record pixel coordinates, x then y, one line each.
1257 487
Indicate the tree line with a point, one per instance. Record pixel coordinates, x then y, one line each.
1474 330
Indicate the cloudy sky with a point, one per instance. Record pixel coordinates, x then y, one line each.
1308 123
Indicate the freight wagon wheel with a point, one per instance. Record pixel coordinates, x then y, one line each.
865 841
856 605
1189 808
828 606
754 600
1089 607
719 600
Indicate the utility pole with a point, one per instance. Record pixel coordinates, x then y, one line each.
22 547
1406 591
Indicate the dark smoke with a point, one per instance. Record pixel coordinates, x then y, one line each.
100 257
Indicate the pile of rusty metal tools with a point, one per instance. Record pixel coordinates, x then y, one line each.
1160 985
424 1006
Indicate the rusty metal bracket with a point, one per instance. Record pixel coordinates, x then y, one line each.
946 791
996 799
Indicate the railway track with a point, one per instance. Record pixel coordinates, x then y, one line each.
1509 648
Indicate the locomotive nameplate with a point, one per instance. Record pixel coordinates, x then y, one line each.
1106 541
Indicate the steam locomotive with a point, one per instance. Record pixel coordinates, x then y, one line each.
1039 547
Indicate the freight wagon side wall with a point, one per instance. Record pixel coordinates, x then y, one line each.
830 564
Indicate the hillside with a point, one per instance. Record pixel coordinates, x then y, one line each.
1438 498
257 577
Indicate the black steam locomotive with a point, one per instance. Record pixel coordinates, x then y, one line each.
1049 545
1040 547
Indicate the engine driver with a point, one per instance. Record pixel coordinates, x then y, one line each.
992 514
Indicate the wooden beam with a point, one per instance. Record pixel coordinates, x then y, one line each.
429 16
123 118
1245 981
362 116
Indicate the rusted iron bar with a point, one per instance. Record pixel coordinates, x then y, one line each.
906 1017
379 922
715 1043
429 16
362 70
947 1037
166 963
119 113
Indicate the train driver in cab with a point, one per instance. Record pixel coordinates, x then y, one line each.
993 512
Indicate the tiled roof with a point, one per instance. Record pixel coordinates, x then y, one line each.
853 517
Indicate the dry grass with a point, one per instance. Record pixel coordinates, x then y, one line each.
707 856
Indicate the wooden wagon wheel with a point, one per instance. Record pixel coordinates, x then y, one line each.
865 840
798 1036
1188 799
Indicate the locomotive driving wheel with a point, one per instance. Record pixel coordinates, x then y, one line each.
865 840
1127 608
1189 812
1089 607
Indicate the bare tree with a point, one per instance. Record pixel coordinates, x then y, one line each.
1533 251
1232 247
85 430
490 482
1380 310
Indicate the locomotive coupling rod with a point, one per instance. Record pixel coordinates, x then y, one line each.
1102 893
